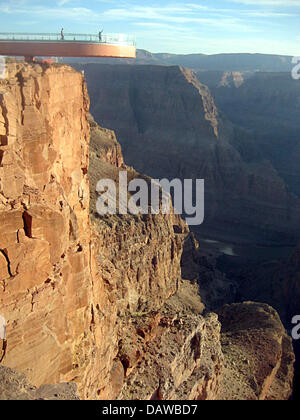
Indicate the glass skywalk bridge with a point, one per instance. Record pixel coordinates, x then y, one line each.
67 45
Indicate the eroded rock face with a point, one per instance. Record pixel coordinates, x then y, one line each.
44 210
160 340
93 300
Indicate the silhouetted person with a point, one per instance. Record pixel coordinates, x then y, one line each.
3 337
100 35
62 34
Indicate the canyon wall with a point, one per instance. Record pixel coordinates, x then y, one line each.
169 126
99 300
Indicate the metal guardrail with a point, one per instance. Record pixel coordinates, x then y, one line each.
112 39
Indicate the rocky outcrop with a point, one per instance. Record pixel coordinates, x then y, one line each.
169 126
104 145
200 267
258 353
94 300
66 285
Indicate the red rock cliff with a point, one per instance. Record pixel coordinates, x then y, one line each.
45 241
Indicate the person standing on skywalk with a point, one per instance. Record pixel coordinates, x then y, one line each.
3 340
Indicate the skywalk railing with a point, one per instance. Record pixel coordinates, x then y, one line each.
111 39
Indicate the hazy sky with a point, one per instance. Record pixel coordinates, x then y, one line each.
205 26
